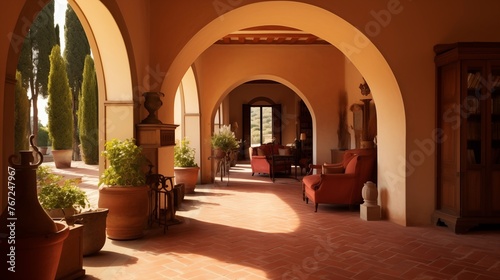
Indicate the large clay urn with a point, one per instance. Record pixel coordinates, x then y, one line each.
187 176
31 242
128 210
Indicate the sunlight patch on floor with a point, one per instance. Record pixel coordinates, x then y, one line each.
257 211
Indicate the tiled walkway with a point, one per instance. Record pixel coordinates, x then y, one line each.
254 229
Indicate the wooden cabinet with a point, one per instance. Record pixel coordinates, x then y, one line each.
305 126
153 136
468 146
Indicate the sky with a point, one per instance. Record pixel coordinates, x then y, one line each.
59 17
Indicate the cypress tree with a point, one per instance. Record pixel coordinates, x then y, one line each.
21 116
88 122
34 61
76 49
60 104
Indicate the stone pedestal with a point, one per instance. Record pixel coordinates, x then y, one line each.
369 213
369 210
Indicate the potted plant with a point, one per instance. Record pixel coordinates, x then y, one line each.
123 190
224 140
63 199
60 198
185 168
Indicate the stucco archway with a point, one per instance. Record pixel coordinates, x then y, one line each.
360 51
116 99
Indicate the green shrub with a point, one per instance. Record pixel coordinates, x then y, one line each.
224 139
56 193
88 122
126 164
60 103
21 116
43 136
183 154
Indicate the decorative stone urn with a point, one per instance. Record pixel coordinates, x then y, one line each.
152 103
369 193
370 210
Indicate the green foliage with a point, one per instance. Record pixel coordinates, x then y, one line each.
21 116
34 62
224 139
76 48
56 193
125 164
183 154
60 103
88 122
43 136
43 37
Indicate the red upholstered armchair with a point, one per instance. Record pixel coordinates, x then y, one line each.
341 188
260 161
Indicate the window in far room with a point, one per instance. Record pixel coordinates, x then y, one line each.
261 130
261 124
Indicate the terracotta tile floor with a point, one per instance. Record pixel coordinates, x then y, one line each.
255 229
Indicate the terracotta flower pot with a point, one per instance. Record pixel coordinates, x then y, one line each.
128 210
62 158
187 176
37 256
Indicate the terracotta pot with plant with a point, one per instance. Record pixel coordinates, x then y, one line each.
225 140
63 199
60 198
185 168
123 190
224 144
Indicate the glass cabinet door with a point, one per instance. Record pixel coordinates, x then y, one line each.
472 108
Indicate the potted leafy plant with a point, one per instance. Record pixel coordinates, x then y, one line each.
225 140
123 190
224 144
60 198
185 167
63 199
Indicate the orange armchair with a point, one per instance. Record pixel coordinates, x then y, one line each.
260 159
341 188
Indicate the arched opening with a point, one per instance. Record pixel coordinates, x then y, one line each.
116 96
358 49
187 114
116 99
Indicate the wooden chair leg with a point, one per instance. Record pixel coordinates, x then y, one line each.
316 208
